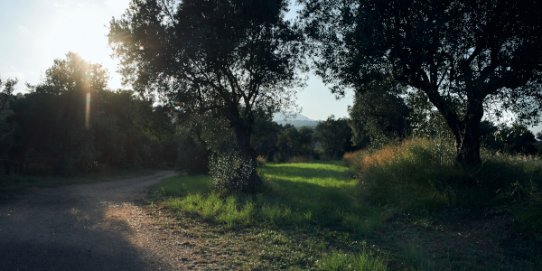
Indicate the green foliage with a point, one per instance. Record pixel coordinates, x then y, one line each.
231 172
239 58
7 123
313 210
406 175
416 176
192 155
469 58
516 139
51 131
293 142
379 115
131 132
425 121
333 137
363 261
266 134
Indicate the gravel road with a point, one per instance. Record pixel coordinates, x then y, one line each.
95 226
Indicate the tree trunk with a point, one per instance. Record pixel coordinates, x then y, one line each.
468 136
467 130
468 145
243 136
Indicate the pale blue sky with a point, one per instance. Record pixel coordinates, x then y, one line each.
35 32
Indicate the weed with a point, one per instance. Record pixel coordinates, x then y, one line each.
362 261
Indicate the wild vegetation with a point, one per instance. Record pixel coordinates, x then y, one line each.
402 207
468 58
432 176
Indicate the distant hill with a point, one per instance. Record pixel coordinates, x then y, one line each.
297 120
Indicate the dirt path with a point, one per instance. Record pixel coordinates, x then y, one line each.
84 227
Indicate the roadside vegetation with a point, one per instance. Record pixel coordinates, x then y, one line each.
432 177
303 205
400 207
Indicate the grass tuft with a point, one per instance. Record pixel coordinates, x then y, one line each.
363 261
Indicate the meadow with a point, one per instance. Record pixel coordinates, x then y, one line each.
330 216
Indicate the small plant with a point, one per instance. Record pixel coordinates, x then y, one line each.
364 261
230 172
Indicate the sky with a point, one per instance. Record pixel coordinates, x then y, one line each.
35 32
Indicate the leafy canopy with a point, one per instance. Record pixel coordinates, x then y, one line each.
209 55
466 56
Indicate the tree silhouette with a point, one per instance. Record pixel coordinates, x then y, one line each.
227 57
466 56
52 130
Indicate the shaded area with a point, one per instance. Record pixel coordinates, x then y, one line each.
303 220
69 229
297 194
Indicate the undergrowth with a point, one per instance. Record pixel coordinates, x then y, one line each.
418 209
419 175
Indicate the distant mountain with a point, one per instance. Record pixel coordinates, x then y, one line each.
297 120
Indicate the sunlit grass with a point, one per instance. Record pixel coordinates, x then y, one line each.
321 194
399 203
420 174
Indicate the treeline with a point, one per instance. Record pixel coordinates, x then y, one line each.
211 137
367 127
72 123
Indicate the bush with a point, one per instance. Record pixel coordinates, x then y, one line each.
230 172
421 173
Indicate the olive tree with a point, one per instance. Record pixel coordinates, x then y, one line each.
227 57
465 56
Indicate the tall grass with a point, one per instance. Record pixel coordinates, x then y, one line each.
420 174
407 175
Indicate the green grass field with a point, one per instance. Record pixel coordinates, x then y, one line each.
318 198
321 194
313 216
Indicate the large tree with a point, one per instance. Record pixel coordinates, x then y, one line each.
379 114
466 56
228 57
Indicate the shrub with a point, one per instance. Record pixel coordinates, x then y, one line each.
421 173
230 172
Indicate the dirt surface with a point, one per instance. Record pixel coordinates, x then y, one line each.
97 226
